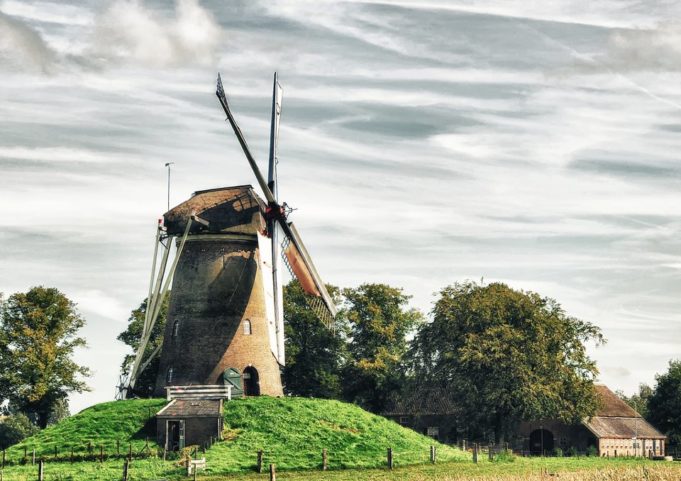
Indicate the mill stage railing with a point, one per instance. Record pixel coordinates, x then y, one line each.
200 391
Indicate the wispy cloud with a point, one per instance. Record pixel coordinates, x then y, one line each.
22 47
130 31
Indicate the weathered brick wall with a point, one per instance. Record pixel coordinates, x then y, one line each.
218 284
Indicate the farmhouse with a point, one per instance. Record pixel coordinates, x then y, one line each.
615 430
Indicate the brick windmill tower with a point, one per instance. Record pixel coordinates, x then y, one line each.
225 315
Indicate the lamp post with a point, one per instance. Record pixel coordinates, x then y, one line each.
168 164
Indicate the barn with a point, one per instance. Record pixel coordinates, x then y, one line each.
615 430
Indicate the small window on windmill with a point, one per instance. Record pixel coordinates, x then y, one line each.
404 420
170 375
433 432
247 328
176 329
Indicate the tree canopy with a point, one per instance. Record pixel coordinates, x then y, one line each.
379 321
315 354
132 336
638 401
16 428
664 405
38 337
506 356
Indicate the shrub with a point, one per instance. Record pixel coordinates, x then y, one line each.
572 451
558 453
591 451
15 429
505 456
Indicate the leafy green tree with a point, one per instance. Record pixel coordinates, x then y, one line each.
639 400
379 320
132 336
315 354
16 428
506 356
664 406
38 336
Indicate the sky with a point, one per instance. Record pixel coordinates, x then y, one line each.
422 143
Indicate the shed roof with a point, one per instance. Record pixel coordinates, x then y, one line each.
616 419
612 405
622 428
191 408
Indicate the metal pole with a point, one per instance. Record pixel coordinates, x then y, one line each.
168 164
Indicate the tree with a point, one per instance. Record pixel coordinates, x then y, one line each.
639 400
664 406
380 321
132 336
16 428
506 356
38 336
315 354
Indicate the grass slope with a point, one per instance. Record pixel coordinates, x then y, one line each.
100 425
293 431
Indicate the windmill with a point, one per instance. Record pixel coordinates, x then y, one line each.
225 317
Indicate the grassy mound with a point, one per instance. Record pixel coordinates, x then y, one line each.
123 422
293 431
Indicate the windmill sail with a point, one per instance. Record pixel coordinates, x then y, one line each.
272 228
268 277
300 262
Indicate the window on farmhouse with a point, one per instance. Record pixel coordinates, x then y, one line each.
247 328
170 375
176 329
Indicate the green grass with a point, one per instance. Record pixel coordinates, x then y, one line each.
292 432
100 425
522 469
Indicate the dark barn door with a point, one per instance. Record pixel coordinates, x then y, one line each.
175 435
251 382
541 442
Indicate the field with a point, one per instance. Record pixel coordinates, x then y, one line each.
566 469
292 433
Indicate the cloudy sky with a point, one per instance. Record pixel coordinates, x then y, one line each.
423 143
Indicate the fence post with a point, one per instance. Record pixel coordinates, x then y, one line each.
41 470
390 458
325 460
126 464
33 458
463 444
490 452
475 453
258 466
273 472
433 454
